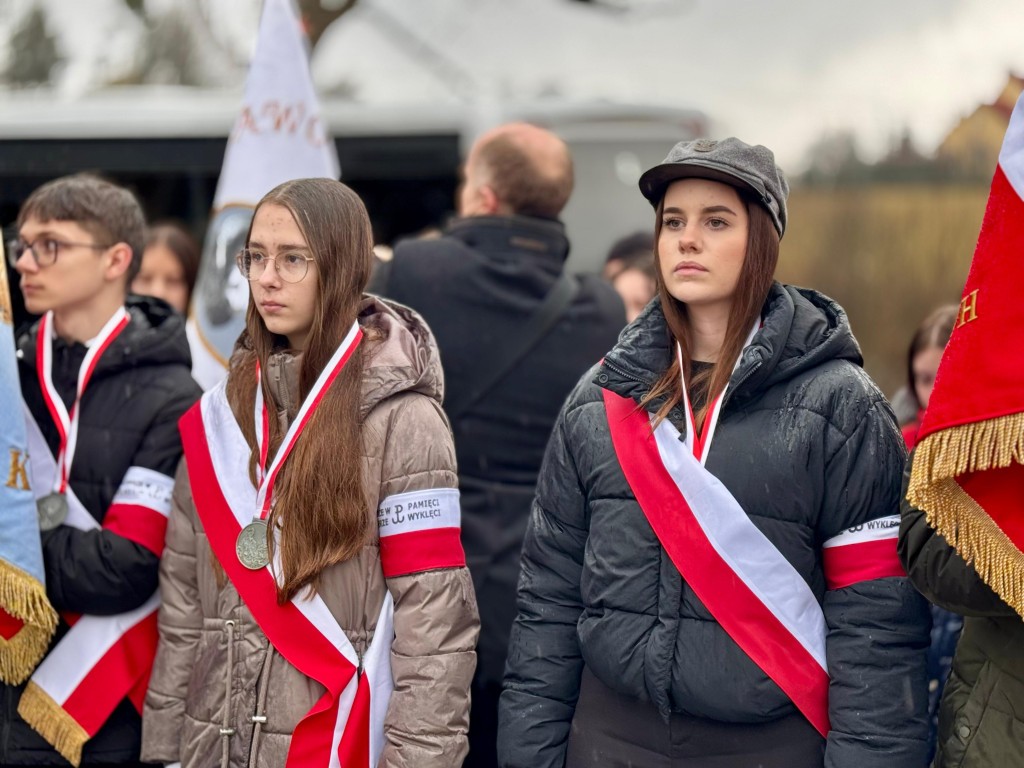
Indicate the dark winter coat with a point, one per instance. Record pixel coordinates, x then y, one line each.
475 287
809 448
129 417
981 717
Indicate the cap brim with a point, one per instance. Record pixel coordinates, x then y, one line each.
654 182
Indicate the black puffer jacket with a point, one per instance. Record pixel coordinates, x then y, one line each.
129 417
476 287
809 447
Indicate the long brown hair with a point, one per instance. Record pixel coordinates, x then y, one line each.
319 500
755 280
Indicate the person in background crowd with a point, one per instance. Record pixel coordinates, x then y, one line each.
515 332
923 358
325 452
170 264
630 270
623 249
105 381
716 601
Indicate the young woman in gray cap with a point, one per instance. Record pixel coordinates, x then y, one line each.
710 574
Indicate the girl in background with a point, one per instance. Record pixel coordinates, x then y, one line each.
170 263
923 359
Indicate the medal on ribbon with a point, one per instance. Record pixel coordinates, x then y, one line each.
53 508
251 546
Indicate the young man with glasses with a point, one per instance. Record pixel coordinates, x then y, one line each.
105 378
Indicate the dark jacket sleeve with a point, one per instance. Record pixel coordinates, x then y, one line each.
544 663
877 630
937 570
98 571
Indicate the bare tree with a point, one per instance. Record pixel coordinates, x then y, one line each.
33 52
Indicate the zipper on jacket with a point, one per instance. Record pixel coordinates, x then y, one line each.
739 382
259 716
359 668
625 375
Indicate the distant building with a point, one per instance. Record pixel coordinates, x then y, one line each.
972 148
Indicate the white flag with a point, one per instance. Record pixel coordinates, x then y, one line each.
279 135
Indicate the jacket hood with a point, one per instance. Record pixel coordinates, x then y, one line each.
402 355
154 336
801 329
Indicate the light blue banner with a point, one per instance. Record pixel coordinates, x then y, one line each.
19 523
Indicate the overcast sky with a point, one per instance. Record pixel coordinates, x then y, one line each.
779 73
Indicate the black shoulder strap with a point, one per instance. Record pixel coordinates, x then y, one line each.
495 363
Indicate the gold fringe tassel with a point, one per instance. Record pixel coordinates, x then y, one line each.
24 597
51 722
938 460
968 448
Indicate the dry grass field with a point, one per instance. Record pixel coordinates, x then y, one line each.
887 253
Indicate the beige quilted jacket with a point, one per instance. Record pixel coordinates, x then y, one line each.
221 696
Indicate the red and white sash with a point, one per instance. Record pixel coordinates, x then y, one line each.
102 659
751 589
757 596
346 726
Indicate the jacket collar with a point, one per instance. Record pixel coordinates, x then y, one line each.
155 336
497 234
399 355
800 329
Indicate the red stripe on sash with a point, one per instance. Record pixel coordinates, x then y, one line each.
417 551
354 748
118 671
864 561
291 633
737 609
136 523
137 695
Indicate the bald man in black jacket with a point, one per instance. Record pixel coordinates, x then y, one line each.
481 287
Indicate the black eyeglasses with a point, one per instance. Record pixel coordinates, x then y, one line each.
291 267
44 250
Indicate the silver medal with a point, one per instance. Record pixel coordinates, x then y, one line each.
251 545
52 510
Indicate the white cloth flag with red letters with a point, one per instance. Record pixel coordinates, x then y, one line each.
279 135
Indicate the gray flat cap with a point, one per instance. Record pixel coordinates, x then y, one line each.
729 161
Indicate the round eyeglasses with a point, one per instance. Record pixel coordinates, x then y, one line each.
44 250
291 267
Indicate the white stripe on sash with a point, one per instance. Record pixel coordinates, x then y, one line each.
747 551
68 664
